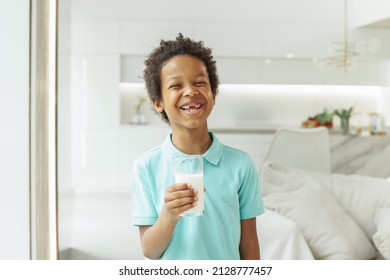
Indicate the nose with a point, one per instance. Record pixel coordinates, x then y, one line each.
190 91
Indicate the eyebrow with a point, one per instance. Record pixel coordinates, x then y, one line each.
173 79
200 74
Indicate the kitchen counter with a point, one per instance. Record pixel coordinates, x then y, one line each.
368 155
350 154
245 128
363 155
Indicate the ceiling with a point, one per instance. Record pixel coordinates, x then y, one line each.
304 12
304 27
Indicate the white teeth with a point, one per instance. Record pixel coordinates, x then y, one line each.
187 107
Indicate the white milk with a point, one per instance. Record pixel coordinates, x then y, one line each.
196 181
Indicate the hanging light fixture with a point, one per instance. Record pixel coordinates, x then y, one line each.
344 54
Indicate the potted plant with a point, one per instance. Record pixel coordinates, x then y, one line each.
138 117
344 115
324 118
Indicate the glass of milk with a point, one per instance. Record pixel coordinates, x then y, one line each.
189 169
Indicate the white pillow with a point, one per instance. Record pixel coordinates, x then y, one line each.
359 195
330 232
382 236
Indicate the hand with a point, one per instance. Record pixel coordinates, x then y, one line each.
179 198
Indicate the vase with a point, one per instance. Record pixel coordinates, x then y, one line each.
344 125
138 119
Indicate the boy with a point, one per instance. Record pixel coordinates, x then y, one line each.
182 83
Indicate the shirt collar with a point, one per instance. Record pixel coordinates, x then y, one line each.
212 155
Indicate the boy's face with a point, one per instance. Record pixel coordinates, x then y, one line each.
187 98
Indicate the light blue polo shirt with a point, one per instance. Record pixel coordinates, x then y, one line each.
232 193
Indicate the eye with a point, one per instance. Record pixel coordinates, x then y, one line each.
200 83
174 86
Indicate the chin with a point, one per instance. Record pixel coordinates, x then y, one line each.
196 125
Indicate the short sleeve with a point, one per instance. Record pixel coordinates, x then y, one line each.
251 200
143 208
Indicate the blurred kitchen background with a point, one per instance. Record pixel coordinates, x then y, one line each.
279 62
272 61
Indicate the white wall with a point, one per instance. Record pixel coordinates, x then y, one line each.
256 50
101 47
14 127
101 42
255 70
242 34
270 105
367 12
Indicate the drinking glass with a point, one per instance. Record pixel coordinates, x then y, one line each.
189 169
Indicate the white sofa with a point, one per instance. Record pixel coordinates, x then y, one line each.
308 216
97 225
339 216
279 237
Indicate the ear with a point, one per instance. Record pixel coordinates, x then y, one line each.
158 106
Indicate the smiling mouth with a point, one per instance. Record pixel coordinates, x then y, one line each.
191 107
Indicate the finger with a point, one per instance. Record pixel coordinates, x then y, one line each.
180 195
169 196
178 191
186 207
178 187
181 204
178 212
193 189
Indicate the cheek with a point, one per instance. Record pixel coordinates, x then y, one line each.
169 100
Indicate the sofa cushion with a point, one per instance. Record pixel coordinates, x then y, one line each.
382 235
359 195
330 232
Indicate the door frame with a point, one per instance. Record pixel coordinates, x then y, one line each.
43 129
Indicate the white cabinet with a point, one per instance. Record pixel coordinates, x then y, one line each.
135 140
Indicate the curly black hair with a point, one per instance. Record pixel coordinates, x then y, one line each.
168 49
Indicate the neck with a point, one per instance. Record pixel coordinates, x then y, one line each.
192 142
